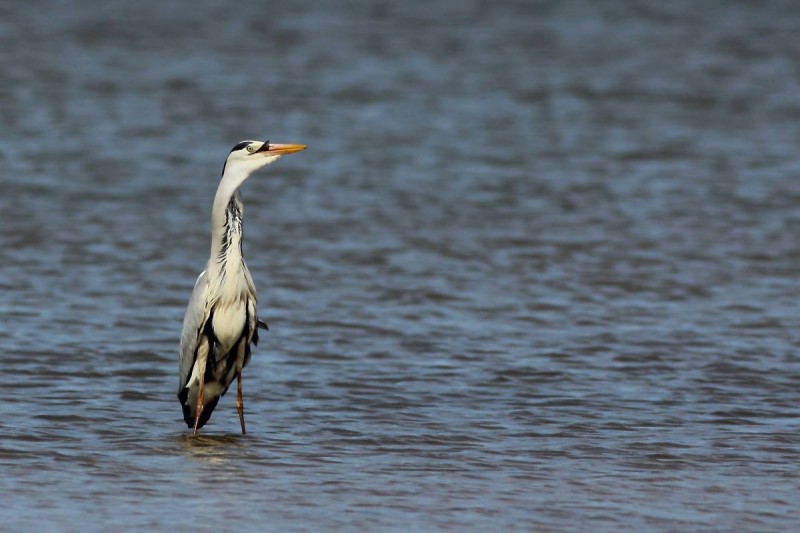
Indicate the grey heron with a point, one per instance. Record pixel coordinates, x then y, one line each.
221 320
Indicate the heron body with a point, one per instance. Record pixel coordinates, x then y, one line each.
221 321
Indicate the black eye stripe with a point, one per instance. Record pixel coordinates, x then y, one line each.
240 145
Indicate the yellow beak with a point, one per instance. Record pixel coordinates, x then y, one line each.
281 149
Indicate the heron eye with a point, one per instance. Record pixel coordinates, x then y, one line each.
251 148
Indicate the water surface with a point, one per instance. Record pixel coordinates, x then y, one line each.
537 270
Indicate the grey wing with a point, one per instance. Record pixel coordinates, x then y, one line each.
192 324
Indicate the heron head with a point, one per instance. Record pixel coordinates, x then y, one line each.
249 156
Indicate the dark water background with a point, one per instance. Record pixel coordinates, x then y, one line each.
537 271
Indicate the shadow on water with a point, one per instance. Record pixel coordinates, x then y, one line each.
211 447
210 441
207 442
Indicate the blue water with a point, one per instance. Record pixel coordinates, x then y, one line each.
536 272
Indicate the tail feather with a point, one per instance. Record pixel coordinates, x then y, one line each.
189 412
189 405
218 375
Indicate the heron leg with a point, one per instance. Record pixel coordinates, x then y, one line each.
240 401
199 407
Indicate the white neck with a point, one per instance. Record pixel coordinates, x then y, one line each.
227 212
226 220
